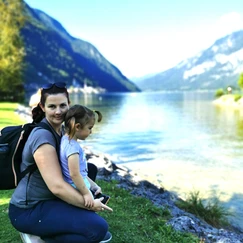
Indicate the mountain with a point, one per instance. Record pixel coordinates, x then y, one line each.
52 54
216 67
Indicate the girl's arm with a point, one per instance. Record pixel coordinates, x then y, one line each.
74 171
50 169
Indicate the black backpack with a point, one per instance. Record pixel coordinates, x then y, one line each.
12 141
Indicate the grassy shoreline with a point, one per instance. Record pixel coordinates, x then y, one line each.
8 116
233 101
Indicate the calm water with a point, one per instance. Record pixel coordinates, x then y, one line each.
178 140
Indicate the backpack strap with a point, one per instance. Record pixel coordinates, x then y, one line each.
57 137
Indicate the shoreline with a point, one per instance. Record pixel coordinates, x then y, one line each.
228 100
139 186
183 179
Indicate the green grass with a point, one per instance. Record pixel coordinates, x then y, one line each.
8 116
7 232
210 211
134 219
137 220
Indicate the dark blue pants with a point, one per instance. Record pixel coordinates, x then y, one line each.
57 221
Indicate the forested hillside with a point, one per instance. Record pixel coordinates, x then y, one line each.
53 55
11 50
36 49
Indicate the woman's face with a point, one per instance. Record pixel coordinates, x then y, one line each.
55 108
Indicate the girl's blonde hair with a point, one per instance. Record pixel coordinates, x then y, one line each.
79 114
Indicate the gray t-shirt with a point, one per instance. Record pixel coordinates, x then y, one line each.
27 194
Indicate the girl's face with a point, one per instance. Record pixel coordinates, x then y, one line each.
83 133
55 108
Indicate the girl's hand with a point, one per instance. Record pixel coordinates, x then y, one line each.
99 206
96 189
88 200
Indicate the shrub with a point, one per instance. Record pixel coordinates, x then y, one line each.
219 93
237 97
211 210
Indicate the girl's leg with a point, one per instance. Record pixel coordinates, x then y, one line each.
92 171
59 222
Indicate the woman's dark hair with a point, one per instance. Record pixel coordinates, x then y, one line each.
37 112
79 114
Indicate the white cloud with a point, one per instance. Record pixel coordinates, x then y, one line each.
227 24
141 54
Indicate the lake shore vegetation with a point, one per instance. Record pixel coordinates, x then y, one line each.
230 96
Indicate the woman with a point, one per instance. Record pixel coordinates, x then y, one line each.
43 203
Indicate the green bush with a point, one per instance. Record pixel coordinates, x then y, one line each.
237 97
219 93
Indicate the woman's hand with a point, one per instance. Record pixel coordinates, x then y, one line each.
99 206
88 200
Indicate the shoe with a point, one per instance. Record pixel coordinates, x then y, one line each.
27 238
107 237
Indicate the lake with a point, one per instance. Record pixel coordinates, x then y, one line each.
178 140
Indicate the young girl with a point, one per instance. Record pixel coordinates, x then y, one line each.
79 122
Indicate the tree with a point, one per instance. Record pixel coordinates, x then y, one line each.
240 81
11 50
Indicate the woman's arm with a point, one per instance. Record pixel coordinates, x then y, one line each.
50 169
47 162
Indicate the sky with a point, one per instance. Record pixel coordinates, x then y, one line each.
144 37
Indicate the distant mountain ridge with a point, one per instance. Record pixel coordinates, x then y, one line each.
52 54
216 67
